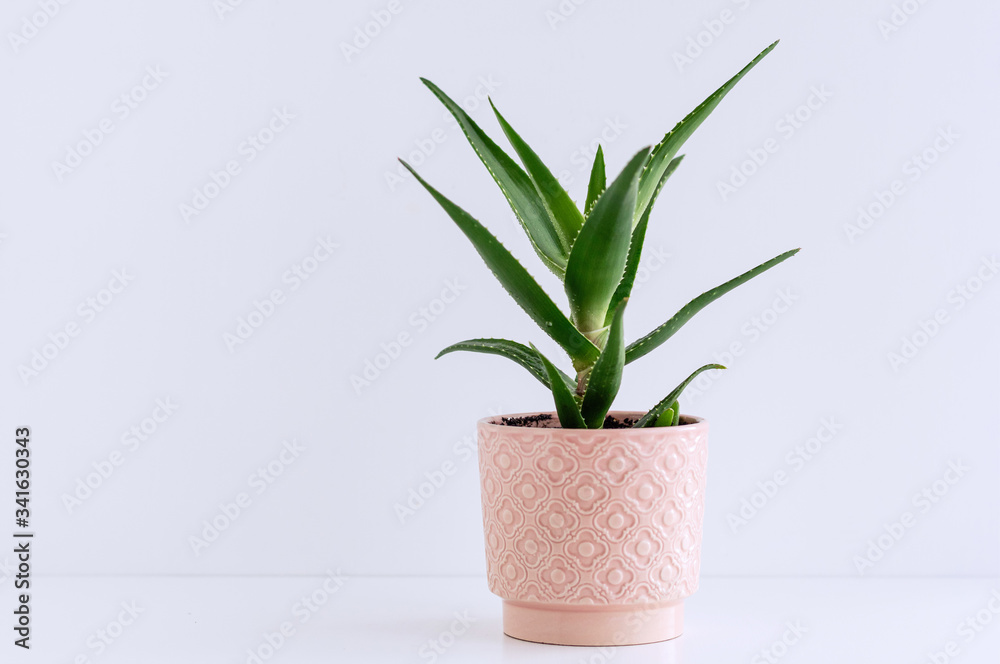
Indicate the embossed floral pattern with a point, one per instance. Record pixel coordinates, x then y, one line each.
506 460
531 547
512 573
586 492
587 548
557 521
669 573
646 491
491 486
616 464
588 443
495 541
671 516
616 577
645 547
509 516
556 463
673 460
593 517
529 490
616 521
587 593
558 576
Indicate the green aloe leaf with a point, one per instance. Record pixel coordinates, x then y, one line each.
650 418
562 207
652 340
512 350
517 281
672 142
669 417
635 248
598 181
606 376
567 407
597 261
550 245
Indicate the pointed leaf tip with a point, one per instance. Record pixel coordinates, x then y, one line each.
651 341
517 187
517 281
600 253
649 419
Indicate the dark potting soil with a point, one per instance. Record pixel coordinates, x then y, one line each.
540 421
546 421
615 423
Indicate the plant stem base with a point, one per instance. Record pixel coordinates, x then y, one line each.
589 625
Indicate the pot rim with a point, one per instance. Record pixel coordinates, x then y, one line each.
494 421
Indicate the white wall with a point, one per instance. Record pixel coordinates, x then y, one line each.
324 176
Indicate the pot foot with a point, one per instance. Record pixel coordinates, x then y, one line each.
590 625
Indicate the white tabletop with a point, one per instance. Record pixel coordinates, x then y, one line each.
408 619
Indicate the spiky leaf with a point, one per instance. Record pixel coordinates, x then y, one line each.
652 340
650 418
669 417
567 407
516 186
564 211
517 281
672 142
597 261
606 376
598 181
512 350
635 248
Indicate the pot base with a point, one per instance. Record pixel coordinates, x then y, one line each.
590 625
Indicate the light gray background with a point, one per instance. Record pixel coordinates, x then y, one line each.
324 176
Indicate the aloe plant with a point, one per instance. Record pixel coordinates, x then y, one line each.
594 251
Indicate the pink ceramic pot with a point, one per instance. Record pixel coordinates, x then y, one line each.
593 537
